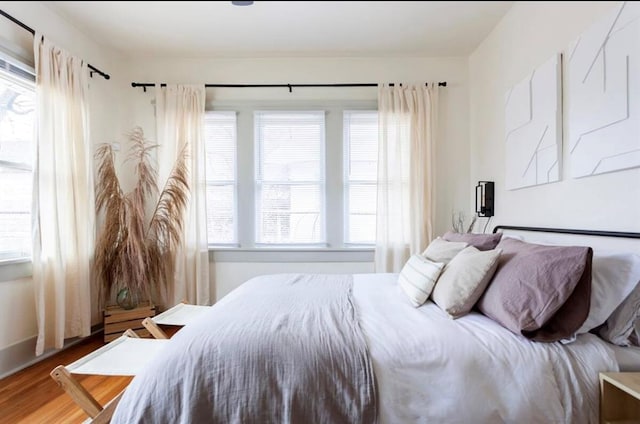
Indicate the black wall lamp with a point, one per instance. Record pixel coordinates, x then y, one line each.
484 198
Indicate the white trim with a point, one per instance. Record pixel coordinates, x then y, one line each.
15 269
21 355
291 255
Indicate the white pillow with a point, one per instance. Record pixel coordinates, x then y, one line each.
417 278
621 324
613 276
440 250
464 279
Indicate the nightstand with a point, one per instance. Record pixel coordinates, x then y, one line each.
620 397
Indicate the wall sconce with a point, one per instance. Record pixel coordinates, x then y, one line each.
484 198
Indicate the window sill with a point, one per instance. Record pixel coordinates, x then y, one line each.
15 269
290 254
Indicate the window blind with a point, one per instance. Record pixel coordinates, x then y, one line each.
361 173
17 120
221 143
290 177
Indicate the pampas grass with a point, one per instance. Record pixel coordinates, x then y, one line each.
134 251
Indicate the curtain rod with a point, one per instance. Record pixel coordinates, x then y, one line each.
33 32
144 85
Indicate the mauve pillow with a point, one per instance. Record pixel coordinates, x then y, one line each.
479 241
542 292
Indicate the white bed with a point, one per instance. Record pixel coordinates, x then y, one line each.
427 366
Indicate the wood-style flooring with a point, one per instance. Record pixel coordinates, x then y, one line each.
31 396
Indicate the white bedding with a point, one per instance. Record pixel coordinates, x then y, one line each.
430 368
628 357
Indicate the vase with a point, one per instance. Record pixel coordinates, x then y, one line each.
127 299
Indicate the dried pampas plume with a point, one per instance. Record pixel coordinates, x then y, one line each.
133 251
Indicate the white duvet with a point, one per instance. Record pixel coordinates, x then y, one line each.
430 368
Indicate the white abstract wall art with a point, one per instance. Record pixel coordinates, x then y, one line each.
603 75
533 129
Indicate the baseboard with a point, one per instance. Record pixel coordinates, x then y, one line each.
21 355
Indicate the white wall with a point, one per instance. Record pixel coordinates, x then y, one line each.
528 35
452 186
17 302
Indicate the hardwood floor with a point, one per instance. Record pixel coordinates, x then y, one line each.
31 396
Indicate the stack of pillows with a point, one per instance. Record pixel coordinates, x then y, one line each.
545 293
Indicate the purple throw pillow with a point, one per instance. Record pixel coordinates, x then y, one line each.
479 241
542 292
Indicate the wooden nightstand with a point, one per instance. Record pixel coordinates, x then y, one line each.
620 397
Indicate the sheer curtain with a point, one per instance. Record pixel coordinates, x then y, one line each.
407 118
63 197
180 122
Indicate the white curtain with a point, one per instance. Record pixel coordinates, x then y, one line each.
180 122
63 197
407 117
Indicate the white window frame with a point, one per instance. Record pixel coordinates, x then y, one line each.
247 251
259 182
347 181
17 268
233 183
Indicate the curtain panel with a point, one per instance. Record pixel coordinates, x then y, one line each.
180 123
63 213
407 120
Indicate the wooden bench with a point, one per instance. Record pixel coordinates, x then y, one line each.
108 360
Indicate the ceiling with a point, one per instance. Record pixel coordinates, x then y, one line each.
285 28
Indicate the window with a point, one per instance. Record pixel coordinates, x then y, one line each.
17 120
360 183
220 142
289 177
292 182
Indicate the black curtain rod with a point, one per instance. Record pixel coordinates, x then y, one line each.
144 85
33 32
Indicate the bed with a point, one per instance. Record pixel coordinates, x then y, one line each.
353 348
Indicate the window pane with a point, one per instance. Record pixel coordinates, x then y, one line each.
362 198
290 146
220 141
361 149
362 213
220 144
361 134
17 104
362 229
221 213
15 235
290 214
15 186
